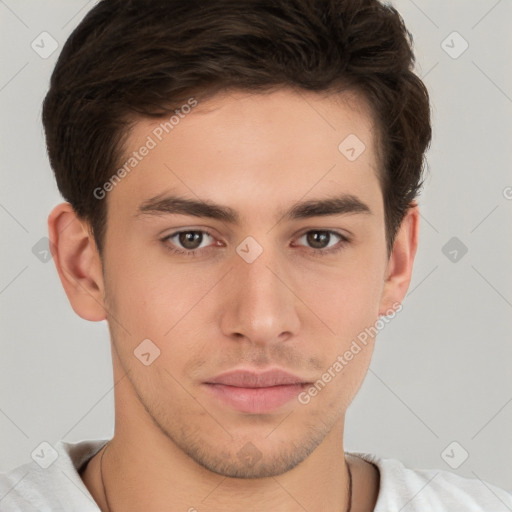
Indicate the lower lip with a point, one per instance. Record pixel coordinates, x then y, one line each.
256 400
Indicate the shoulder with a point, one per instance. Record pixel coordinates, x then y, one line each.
415 490
50 482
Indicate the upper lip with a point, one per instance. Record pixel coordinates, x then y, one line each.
252 379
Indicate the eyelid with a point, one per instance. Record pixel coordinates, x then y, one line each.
204 231
343 241
341 236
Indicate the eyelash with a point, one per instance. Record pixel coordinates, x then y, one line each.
316 252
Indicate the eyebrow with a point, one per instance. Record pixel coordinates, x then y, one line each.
344 204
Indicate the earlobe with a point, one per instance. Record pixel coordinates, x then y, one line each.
78 262
400 264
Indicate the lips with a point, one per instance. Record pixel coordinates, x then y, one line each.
248 379
255 393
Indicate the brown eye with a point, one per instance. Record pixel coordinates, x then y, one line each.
323 241
190 240
318 239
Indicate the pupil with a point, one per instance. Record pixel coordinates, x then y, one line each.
318 239
191 239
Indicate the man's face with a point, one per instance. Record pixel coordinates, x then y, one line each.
292 296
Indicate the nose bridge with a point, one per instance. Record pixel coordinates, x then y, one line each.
259 305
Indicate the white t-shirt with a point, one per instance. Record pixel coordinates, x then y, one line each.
32 488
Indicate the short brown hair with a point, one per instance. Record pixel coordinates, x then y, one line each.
129 59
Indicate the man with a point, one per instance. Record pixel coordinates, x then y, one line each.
240 183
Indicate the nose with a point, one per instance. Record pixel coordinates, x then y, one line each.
259 302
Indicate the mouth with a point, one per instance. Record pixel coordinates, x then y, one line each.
255 393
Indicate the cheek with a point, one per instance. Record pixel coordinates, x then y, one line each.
345 297
335 389
150 292
170 303
163 302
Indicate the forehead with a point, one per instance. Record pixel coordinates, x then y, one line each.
265 148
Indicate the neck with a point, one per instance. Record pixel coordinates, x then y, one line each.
130 469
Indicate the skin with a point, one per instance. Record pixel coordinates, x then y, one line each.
209 313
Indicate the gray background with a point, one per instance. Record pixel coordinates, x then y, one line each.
441 371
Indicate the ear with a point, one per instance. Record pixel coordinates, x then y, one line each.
400 263
78 262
